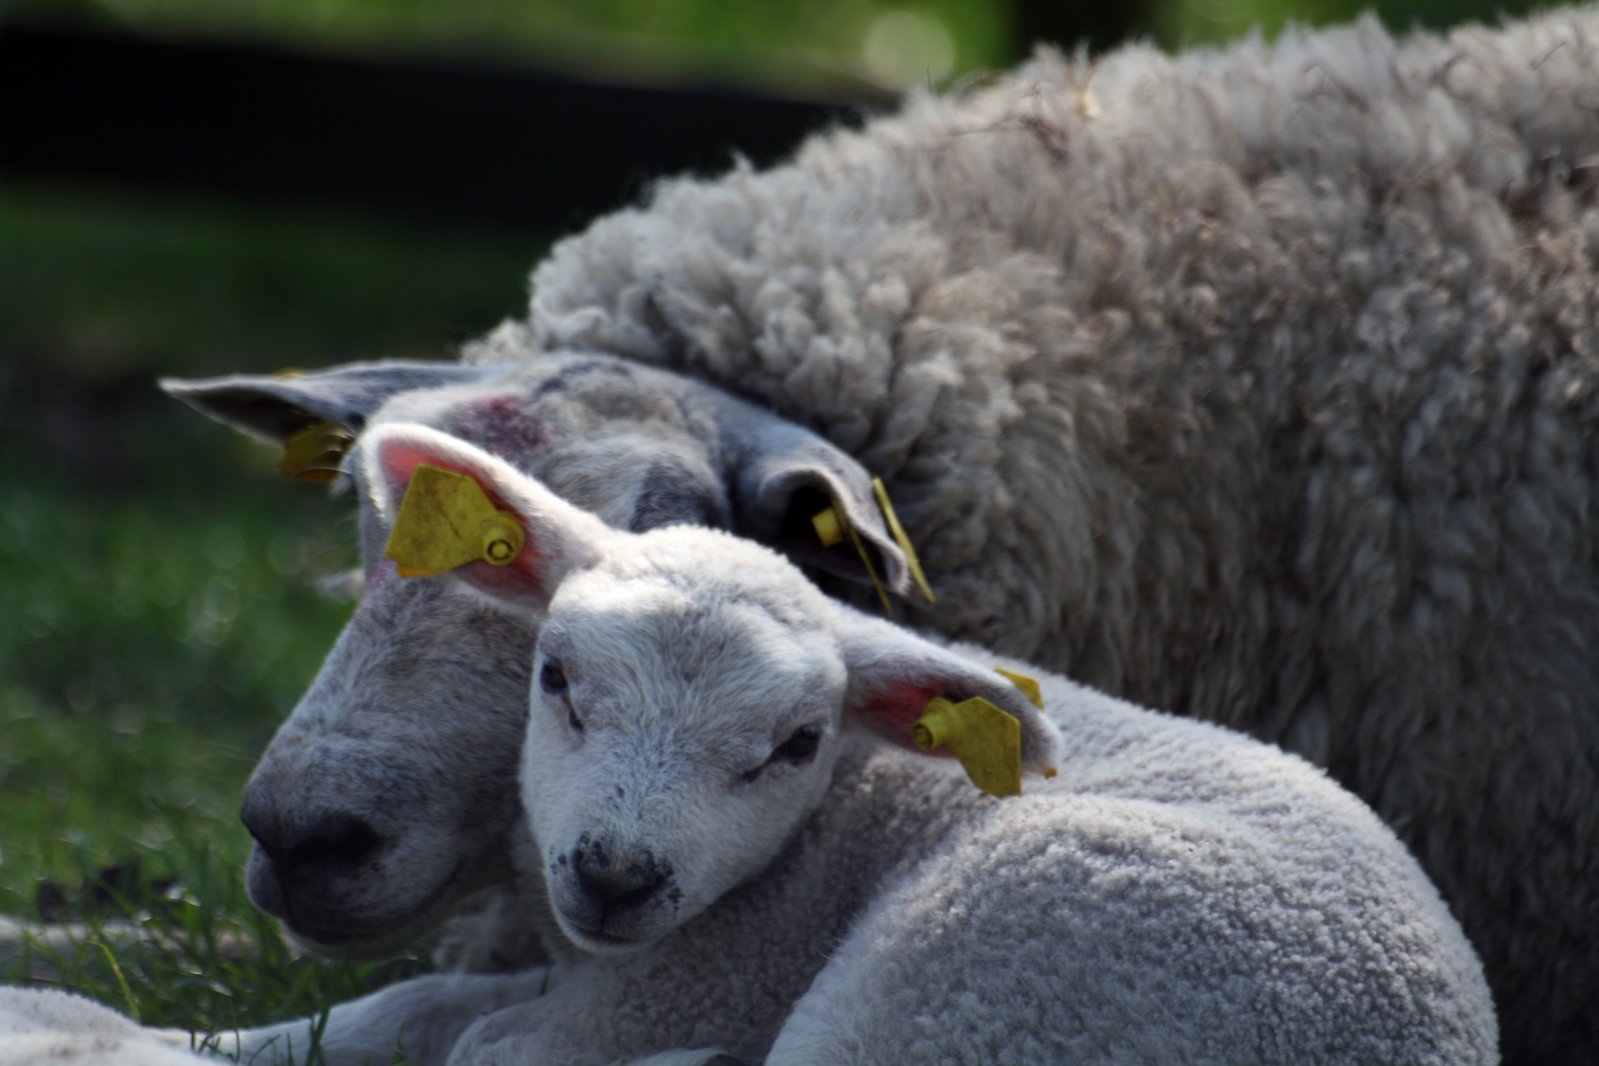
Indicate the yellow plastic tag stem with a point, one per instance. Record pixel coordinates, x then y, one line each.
871 571
831 526
904 542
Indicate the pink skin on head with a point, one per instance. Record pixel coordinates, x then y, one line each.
501 426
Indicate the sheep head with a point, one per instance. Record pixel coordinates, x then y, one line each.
391 790
690 692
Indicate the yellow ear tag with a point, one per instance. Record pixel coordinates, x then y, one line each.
316 453
831 526
1035 695
446 521
986 740
1028 685
904 542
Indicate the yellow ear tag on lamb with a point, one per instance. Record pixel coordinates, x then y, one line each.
316 453
986 740
1034 693
446 520
1028 685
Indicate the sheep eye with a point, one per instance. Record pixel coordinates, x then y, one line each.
552 679
799 748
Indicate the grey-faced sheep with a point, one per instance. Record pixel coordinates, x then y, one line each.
1261 385
741 850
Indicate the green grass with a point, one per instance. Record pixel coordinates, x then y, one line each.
162 603
107 289
157 636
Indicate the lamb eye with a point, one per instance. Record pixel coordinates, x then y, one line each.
552 679
799 748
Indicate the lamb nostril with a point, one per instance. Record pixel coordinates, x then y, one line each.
615 884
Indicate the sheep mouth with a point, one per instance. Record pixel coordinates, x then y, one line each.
600 942
362 943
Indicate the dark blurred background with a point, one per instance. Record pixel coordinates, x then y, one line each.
194 187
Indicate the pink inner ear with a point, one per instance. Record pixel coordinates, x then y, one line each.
400 461
894 711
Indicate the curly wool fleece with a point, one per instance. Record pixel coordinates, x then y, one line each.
1257 384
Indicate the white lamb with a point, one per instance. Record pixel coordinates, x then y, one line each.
47 1026
1261 385
733 860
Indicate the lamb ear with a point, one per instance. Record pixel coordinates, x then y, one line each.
895 674
275 408
452 507
785 475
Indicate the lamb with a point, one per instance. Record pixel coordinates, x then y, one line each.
45 1025
1260 384
732 860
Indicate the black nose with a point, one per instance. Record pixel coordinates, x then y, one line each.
324 843
615 880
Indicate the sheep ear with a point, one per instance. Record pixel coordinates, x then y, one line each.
274 408
453 508
927 698
785 476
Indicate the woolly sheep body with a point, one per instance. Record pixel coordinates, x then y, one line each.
1259 384
1256 384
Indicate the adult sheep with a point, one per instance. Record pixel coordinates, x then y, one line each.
728 856
1257 384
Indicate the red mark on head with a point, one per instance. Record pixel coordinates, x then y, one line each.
501 426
